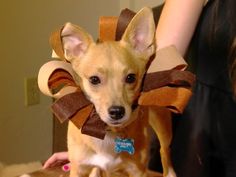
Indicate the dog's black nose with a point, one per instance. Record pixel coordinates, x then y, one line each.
116 112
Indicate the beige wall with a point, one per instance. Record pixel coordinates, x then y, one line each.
136 5
26 132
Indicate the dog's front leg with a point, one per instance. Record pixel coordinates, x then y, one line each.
137 174
74 170
79 170
95 172
135 170
160 120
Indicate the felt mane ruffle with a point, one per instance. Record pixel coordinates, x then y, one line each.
166 85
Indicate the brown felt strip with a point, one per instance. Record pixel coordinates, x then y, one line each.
94 126
56 43
107 28
169 77
67 106
125 17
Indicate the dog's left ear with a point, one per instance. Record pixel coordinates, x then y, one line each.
76 41
140 33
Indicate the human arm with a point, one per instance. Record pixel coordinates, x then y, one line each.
176 26
177 23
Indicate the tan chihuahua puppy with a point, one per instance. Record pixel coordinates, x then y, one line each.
110 75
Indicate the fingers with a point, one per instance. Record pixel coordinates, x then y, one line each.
66 167
56 159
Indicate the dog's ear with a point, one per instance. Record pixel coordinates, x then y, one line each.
75 41
140 33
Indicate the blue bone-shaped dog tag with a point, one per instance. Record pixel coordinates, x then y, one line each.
126 145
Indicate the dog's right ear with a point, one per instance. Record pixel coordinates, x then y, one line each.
140 33
76 41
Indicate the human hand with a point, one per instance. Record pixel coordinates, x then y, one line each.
57 159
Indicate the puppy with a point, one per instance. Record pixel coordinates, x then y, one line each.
110 75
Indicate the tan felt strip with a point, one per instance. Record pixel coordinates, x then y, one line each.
172 98
67 106
81 116
167 58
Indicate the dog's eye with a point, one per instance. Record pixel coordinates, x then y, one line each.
131 78
94 80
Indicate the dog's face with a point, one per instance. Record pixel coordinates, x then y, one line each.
110 73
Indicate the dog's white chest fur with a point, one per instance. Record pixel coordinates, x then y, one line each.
94 152
105 156
104 161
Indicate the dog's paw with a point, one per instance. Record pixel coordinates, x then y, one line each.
96 172
171 173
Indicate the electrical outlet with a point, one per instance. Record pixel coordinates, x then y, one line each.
32 95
